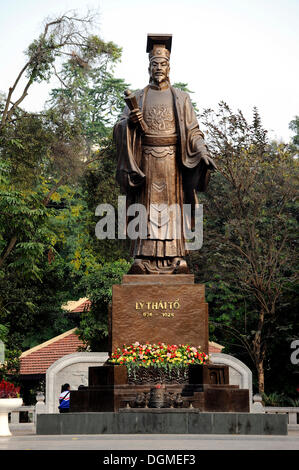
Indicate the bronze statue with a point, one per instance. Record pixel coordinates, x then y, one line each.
162 161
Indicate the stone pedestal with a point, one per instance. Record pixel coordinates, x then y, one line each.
152 308
169 309
205 388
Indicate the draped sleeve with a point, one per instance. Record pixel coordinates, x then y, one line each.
128 148
195 172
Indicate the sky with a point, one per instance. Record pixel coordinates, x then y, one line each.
244 52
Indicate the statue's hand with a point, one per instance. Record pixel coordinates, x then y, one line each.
135 179
209 161
135 116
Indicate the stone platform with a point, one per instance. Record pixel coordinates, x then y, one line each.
205 388
162 422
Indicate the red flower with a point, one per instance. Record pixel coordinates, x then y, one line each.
8 390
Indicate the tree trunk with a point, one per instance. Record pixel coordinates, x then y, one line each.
7 250
259 349
261 376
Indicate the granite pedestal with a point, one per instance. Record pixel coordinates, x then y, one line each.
162 422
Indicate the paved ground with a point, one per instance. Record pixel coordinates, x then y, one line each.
24 439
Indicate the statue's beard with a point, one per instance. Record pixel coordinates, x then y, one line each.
159 80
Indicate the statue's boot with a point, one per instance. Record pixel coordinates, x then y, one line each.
137 267
181 266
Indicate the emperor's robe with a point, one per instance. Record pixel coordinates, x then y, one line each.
164 166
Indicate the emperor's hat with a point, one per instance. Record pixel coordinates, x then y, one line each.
159 45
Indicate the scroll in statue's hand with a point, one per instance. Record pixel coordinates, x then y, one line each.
136 116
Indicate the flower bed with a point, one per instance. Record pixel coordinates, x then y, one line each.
158 363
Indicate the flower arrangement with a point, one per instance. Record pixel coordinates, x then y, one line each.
8 390
159 355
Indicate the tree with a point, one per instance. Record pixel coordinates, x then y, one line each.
43 158
63 153
248 254
64 36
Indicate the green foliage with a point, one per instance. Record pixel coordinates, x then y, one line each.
3 332
25 146
93 328
42 53
279 400
248 256
95 48
294 126
23 220
91 97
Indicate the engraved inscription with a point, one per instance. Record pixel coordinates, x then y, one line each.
150 308
161 305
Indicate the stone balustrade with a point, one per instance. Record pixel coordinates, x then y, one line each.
292 412
33 410
15 415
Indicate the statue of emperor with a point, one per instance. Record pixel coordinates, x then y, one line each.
163 161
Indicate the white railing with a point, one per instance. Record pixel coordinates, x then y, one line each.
15 415
292 412
33 410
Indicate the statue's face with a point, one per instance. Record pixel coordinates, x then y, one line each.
159 70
